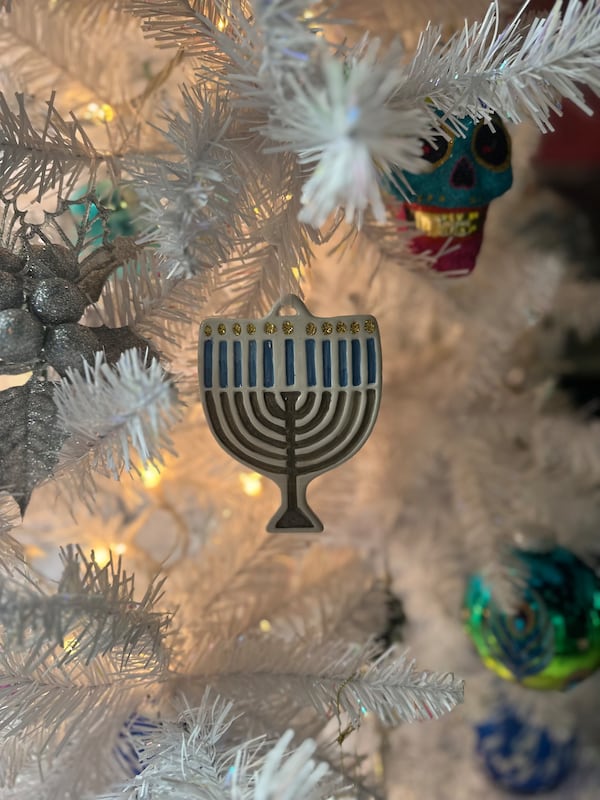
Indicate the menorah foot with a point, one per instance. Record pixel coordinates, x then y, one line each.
295 520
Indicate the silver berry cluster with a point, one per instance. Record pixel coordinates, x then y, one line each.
41 305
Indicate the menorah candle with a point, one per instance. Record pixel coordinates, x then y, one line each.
291 396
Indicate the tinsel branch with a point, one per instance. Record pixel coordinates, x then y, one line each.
45 706
190 203
351 116
198 755
11 551
333 679
93 611
142 297
280 774
53 155
113 412
394 690
521 72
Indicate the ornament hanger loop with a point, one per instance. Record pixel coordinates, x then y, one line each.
287 305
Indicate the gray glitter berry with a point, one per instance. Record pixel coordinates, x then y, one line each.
56 300
67 346
52 260
21 336
11 291
10 262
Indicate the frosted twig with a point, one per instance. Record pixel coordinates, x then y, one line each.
114 412
94 611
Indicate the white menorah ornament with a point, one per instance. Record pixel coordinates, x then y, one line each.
291 396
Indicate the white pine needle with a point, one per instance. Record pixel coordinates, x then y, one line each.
281 774
342 124
521 72
198 756
112 411
52 155
190 201
93 611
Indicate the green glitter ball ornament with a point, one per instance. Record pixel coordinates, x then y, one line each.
553 639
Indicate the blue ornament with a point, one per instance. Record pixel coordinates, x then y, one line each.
523 757
131 742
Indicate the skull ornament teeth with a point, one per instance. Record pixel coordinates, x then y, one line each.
451 199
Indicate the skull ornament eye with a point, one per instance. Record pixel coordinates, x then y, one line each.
491 148
437 150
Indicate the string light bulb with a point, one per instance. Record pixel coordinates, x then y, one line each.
251 483
99 112
101 555
70 643
151 476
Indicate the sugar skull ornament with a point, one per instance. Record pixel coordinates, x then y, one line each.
450 200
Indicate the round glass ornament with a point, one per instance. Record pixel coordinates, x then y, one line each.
524 757
552 641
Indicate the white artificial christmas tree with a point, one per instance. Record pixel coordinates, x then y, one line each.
252 143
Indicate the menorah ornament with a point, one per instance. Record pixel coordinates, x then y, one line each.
291 396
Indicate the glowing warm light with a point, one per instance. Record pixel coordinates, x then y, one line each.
308 14
101 555
70 643
119 548
151 476
299 273
33 551
100 112
251 483
222 23
265 625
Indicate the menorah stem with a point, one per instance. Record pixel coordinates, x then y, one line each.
294 513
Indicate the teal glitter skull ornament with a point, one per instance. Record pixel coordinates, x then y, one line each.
450 200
